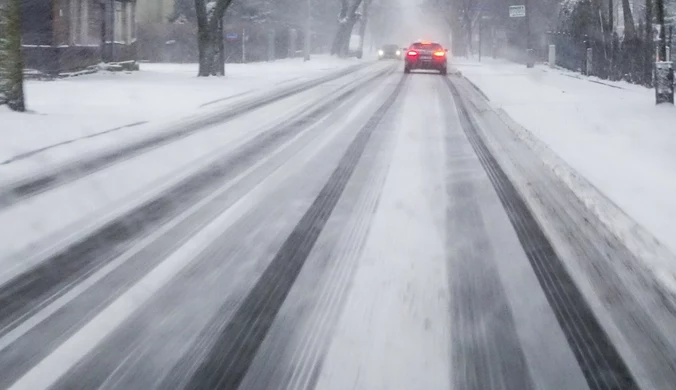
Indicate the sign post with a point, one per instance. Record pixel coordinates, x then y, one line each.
519 11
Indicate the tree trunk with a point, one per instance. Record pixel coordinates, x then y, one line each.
220 58
348 18
347 36
210 37
335 46
11 57
629 27
649 48
362 26
204 63
341 42
203 39
342 20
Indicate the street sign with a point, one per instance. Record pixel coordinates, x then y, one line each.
517 11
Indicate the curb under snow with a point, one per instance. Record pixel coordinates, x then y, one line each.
639 241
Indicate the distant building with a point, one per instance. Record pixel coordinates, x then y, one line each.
68 35
154 11
163 37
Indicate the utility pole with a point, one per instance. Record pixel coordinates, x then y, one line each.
243 45
530 60
308 31
480 25
220 67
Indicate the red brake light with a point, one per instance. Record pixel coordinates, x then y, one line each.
412 53
439 53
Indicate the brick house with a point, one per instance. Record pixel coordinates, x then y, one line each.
67 35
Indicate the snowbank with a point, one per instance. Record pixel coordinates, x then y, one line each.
70 109
611 133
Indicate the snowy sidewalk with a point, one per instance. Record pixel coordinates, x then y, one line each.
121 104
613 135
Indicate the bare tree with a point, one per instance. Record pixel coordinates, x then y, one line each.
362 24
210 36
11 58
461 16
347 19
629 27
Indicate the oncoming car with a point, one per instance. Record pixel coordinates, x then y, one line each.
389 51
426 55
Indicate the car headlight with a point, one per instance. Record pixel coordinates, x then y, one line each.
380 52
398 52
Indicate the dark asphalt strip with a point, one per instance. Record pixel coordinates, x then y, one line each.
33 290
16 192
234 350
599 360
485 347
279 363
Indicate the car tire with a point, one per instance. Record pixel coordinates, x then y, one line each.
443 72
407 69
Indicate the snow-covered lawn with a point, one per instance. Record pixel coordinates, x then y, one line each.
613 135
70 109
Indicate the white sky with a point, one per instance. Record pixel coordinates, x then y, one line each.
412 23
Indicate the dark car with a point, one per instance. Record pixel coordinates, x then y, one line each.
426 55
389 52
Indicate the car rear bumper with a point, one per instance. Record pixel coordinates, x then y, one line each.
426 64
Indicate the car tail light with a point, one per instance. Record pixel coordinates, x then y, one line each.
412 53
439 53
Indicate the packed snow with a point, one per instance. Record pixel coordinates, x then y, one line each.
394 330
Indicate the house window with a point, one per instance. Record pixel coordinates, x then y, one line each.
125 16
131 22
119 22
82 24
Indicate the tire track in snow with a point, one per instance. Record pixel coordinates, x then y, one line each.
238 344
486 354
16 192
393 332
599 360
485 348
628 301
291 357
179 322
29 291
28 295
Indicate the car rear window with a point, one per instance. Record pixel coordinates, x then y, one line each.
427 46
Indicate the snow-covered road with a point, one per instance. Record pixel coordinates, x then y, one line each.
372 233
